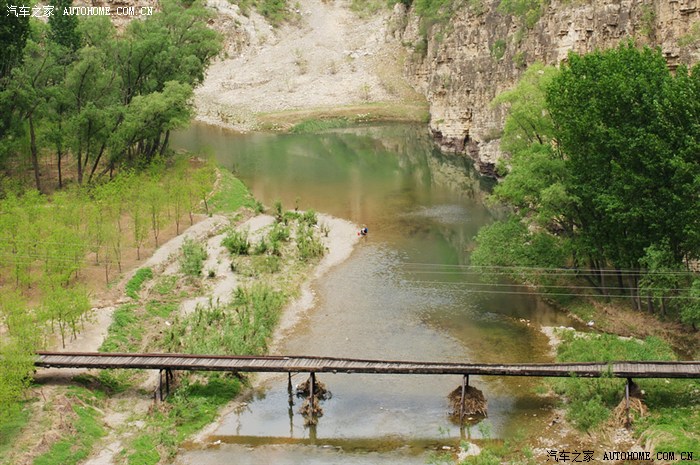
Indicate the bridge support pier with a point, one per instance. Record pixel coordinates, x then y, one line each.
312 388
627 402
465 383
168 379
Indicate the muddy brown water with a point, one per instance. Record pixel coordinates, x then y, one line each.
406 293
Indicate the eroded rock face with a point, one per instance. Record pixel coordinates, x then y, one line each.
478 55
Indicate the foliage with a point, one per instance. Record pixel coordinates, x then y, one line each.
76 447
591 400
236 241
313 126
14 418
230 195
192 406
192 257
602 161
64 28
498 49
308 243
105 99
275 11
124 332
509 242
241 328
528 11
133 287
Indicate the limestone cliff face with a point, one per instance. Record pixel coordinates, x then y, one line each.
478 54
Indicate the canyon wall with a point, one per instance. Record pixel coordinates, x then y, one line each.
463 62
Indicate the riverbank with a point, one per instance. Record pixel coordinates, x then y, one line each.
329 63
150 307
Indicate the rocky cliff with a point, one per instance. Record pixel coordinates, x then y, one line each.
478 52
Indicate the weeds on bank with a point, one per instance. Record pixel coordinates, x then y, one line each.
15 420
86 423
192 258
125 331
236 241
231 195
133 287
672 404
242 327
192 406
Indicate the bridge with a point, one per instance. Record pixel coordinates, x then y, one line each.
166 363
306 364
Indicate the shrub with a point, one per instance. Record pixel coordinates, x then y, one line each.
308 244
192 258
237 242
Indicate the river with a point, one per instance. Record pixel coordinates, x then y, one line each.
406 293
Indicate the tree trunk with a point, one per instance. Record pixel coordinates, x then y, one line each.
59 156
34 153
165 142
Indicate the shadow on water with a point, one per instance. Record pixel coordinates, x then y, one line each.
406 293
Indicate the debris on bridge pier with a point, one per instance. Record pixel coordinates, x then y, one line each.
314 391
467 403
632 403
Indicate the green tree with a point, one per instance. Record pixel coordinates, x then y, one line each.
64 28
629 130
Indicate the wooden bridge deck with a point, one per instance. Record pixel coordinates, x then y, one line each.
293 364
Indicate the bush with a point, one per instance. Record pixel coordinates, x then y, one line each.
237 242
308 244
192 258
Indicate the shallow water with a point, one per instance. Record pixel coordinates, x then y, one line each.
406 293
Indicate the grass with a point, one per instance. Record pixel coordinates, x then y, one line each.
125 331
231 195
192 406
192 258
672 403
12 423
160 309
133 287
318 125
242 327
165 286
88 429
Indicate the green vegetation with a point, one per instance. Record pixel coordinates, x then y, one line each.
11 425
240 328
236 241
498 49
527 11
133 287
85 421
97 99
317 125
599 179
590 402
192 257
275 11
692 37
231 195
124 332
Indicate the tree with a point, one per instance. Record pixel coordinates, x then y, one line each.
64 28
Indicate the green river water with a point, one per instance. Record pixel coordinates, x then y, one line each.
406 293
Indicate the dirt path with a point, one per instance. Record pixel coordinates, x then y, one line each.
327 57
